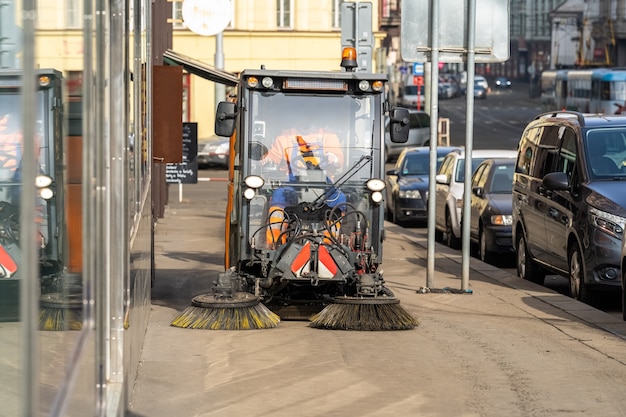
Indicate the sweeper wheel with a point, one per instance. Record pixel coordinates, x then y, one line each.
370 314
238 311
60 311
366 301
237 300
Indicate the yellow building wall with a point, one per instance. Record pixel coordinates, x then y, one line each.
252 40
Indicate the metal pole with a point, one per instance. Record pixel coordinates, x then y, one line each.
434 115
469 140
219 64
29 285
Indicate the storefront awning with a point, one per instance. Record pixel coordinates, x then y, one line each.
200 69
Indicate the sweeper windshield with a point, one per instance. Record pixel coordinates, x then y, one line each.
311 149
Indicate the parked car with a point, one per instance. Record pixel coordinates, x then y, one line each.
502 82
419 134
407 184
409 97
569 204
480 91
491 206
213 152
482 81
450 186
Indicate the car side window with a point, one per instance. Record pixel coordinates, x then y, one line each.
479 177
424 119
567 155
445 166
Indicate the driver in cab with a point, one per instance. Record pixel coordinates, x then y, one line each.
316 151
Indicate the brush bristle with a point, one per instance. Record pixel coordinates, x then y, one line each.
56 319
364 317
227 318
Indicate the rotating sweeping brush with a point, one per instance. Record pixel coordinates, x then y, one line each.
59 311
241 311
364 314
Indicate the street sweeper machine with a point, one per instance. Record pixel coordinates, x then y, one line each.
305 219
59 278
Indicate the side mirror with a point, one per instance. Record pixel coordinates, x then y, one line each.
399 125
225 119
556 181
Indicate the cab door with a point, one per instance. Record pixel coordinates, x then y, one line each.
561 205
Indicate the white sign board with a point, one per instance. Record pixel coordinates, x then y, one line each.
491 38
207 18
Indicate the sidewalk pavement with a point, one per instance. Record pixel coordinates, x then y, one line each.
201 372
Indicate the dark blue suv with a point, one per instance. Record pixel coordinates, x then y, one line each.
569 200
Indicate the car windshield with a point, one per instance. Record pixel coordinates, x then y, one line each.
460 168
606 149
416 165
419 164
502 182
411 90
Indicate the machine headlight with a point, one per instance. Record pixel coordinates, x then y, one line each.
46 193
375 184
254 181
364 85
253 82
249 193
415 194
377 197
377 85
267 82
42 181
607 222
502 220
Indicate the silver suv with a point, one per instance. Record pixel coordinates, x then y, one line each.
569 204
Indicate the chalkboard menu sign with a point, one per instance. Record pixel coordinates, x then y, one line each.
187 171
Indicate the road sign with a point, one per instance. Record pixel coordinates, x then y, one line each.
418 68
356 24
491 38
418 80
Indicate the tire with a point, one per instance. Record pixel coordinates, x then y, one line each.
451 240
527 268
394 215
438 235
577 286
484 254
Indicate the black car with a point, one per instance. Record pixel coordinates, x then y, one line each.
407 184
569 204
503 82
491 207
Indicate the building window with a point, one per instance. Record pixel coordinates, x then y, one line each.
283 14
73 13
177 15
336 23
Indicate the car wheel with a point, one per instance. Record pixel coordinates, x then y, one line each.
527 268
577 286
451 240
394 214
484 254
